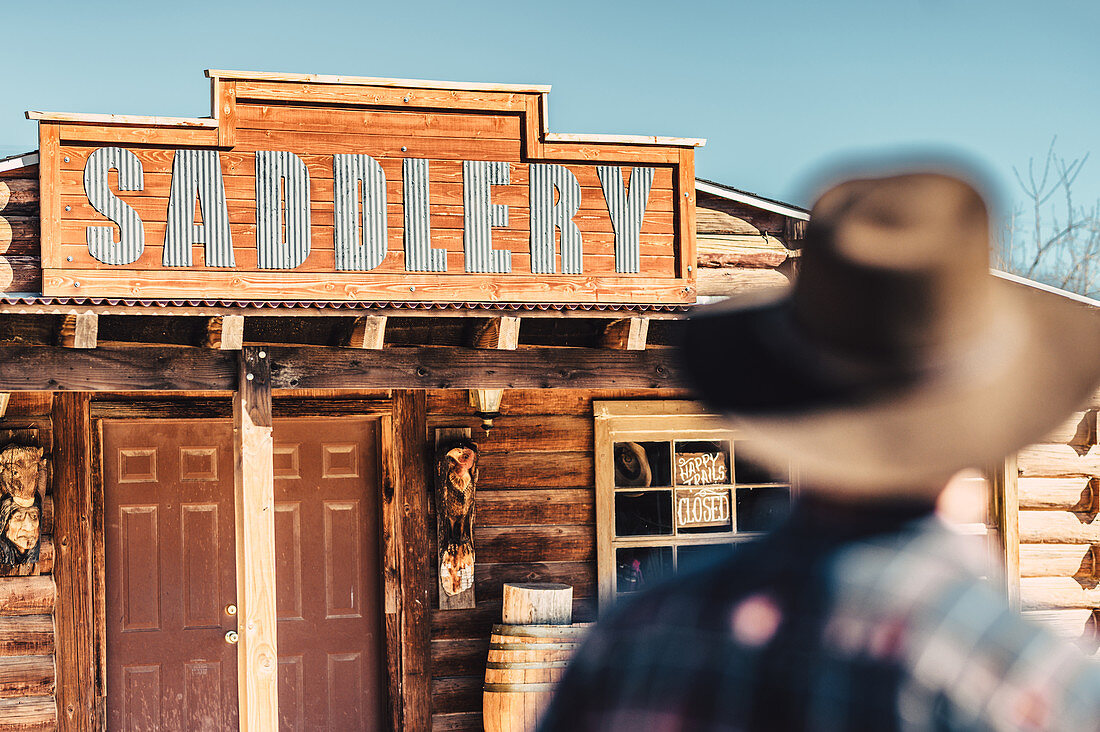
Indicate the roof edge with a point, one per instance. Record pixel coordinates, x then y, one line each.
123 119
23 160
733 194
1009 277
374 81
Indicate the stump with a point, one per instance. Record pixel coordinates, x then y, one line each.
538 604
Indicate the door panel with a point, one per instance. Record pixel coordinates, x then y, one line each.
328 576
170 573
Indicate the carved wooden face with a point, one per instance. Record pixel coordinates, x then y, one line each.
22 530
19 473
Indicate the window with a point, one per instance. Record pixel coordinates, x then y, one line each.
673 492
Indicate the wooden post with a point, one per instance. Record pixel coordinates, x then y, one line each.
73 564
501 333
5 397
410 410
254 489
369 332
1005 514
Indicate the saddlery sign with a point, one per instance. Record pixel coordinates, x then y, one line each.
340 188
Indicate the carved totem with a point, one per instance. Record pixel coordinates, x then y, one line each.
23 476
456 482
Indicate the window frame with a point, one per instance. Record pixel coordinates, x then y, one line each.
669 421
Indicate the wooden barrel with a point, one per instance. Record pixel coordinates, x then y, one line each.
525 663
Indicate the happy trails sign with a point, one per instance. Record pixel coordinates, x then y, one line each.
334 188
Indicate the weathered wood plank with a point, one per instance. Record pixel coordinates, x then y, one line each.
535 544
73 564
476 623
27 596
29 635
1053 460
1078 429
28 714
560 506
465 657
510 433
557 402
115 369
225 332
1058 527
26 676
257 676
1054 593
1062 494
452 694
528 469
457 722
726 282
1057 560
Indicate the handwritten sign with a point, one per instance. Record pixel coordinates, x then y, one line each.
702 507
700 468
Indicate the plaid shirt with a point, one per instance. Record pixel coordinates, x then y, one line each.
811 628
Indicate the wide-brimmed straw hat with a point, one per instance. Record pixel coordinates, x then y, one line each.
896 359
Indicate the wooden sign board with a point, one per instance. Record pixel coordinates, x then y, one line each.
697 507
335 188
701 468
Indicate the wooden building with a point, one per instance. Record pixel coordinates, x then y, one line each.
243 344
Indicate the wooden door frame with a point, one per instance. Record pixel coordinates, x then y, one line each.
403 538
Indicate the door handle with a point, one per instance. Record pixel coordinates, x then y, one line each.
231 637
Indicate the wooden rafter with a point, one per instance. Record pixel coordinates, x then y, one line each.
79 330
626 334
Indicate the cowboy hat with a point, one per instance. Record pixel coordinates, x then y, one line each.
896 359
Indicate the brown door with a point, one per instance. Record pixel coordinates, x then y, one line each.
170 574
328 574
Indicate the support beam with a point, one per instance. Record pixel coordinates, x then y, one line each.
225 332
410 409
79 330
254 490
5 398
76 662
368 332
500 333
133 368
628 334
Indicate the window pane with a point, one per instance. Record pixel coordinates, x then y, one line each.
702 462
643 513
639 567
746 472
761 509
699 555
703 510
642 464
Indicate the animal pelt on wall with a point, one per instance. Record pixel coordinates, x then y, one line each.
456 483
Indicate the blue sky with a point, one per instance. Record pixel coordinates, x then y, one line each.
778 88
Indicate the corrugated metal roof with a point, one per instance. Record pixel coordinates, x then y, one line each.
31 299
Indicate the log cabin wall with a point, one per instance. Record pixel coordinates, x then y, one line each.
742 248
27 593
20 247
535 522
1059 532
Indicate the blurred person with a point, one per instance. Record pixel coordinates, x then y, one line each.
895 361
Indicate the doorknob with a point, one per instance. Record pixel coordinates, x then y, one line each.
230 609
231 636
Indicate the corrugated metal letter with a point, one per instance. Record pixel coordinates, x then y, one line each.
282 186
131 177
419 254
201 171
545 216
480 215
353 252
626 211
